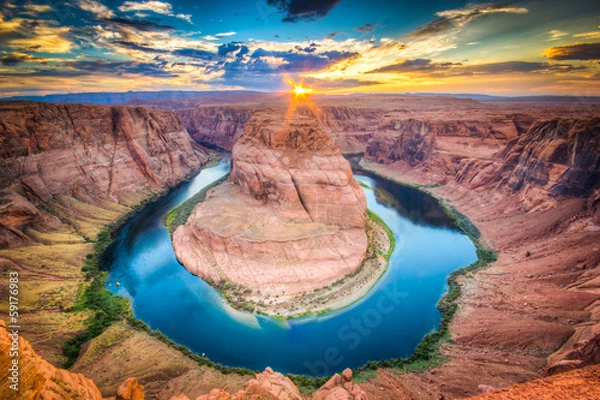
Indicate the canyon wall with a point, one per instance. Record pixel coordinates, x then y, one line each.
221 126
116 153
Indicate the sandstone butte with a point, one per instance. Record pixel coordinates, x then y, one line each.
291 218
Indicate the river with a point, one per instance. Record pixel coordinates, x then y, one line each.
388 322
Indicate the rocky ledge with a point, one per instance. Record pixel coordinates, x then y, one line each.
291 219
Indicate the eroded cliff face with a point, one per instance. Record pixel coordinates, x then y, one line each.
292 218
219 126
115 153
349 127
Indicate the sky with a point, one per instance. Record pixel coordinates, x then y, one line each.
333 46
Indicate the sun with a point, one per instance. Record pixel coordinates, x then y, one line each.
299 90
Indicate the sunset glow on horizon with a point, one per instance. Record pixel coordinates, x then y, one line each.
338 46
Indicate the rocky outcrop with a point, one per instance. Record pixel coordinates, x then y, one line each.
270 385
561 156
580 384
84 151
130 390
340 387
35 377
292 218
219 126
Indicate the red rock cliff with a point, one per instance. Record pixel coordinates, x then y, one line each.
107 152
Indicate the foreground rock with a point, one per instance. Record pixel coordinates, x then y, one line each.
38 379
580 384
291 219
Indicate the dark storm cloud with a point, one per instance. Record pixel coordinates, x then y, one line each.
303 10
579 51
366 28
227 48
119 68
297 62
139 24
139 47
457 69
194 53
12 60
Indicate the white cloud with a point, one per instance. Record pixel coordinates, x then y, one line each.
159 7
556 34
96 8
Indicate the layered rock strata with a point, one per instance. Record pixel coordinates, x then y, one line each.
88 152
291 218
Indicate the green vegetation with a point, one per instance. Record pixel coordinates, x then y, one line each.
462 221
308 384
105 308
180 214
427 354
389 232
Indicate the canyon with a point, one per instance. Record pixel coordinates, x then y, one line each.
527 176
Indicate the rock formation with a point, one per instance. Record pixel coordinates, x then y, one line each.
219 126
340 387
292 218
114 153
130 390
270 385
38 379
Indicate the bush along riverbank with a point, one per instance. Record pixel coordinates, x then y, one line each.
102 306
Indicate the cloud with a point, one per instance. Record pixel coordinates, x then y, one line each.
10 26
450 69
322 84
457 18
227 48
366 28
38 8
13 59
44 39
301 62
139 24
303 10
158 7
119 68
331 35
412 65
577 51
588 35
219 36
194 53
556 34
96 8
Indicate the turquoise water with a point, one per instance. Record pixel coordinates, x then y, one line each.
388 322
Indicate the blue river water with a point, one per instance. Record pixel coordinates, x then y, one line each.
388 322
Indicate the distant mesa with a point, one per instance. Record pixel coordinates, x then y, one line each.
290 219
